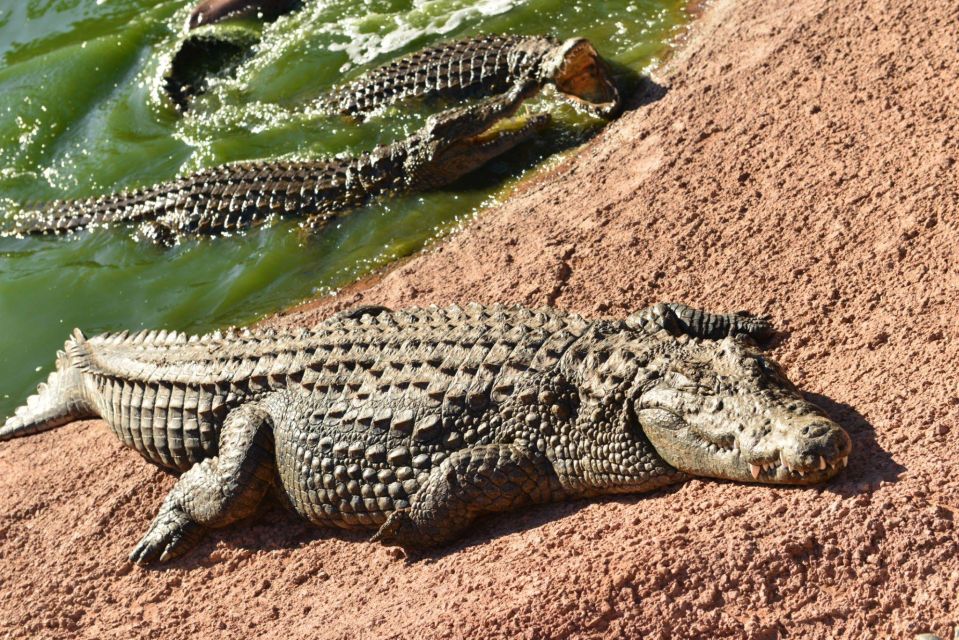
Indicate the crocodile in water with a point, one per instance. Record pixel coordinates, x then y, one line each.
475 67
413 423
484 66
235 196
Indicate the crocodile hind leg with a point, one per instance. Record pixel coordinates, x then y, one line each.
677 318
471 482
217 491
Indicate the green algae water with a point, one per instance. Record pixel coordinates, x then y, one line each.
83 112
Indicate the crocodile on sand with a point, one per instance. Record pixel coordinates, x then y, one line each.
235 196
414 423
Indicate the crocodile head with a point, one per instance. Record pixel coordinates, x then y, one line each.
458 141
721 408
582 78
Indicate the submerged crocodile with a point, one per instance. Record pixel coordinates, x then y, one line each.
236 196
413 423
213 11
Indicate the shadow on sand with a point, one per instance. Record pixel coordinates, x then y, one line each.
869 464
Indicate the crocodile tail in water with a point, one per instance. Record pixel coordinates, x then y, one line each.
225 198
59 400
66 216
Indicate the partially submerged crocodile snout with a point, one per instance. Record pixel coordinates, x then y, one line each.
731 413
456 142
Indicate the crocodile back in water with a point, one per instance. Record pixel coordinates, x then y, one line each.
483 66
221 199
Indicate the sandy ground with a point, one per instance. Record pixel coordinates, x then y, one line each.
801 162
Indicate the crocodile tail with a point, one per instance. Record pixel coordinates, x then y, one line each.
66 216
59 400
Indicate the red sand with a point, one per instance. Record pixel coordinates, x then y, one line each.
802 163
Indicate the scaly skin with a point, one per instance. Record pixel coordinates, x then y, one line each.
483 66
236 196
413 423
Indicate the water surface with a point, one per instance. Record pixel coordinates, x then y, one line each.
82 112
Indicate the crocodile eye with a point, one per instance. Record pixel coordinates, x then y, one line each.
769 368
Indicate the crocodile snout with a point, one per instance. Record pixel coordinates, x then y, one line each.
800 450
822 440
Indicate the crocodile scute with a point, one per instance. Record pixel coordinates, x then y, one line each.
413 423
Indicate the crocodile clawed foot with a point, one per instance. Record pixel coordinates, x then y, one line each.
397 530
757 327
171 535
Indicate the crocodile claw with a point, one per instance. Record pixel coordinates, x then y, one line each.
759 327
397 529
171 535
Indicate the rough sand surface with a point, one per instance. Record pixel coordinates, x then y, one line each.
802 162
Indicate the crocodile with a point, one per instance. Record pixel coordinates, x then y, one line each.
414 423
475 67
482 66
235 196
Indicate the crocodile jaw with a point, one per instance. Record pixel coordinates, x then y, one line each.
725 410
582 78
469 153
507 133
783 456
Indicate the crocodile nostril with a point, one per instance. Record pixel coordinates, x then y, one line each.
817 430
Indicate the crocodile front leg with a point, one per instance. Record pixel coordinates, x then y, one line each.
217 491
471 482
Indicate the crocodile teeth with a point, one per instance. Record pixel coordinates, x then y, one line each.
755 469
822 463
844 461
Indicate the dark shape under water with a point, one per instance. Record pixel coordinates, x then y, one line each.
206 54
213 11
209 52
